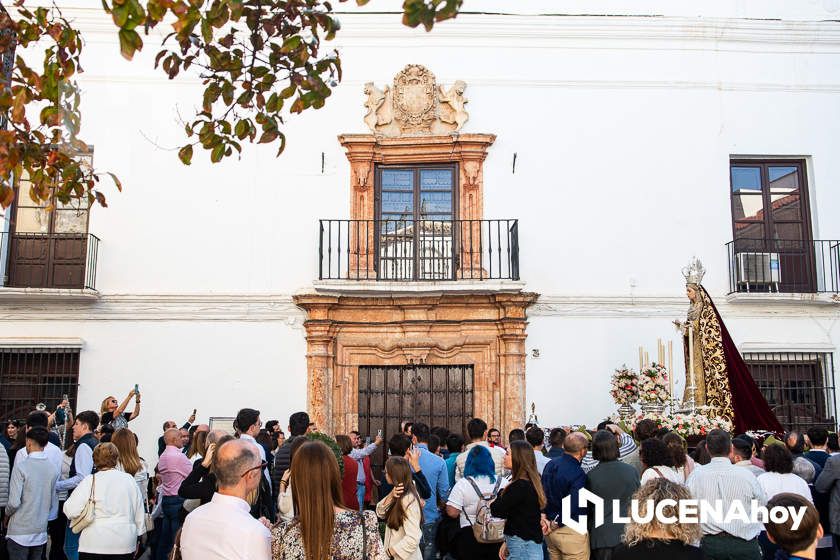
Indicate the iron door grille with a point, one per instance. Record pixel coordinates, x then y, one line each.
435 395
29 376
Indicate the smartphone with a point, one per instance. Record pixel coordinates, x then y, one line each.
136 389
379 433
367 441
194 412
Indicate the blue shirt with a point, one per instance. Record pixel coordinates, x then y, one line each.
563 476
434 468
450 468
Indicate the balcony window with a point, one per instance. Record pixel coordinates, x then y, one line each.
772 248
799 387
48 244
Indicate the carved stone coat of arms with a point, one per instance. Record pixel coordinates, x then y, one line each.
415 105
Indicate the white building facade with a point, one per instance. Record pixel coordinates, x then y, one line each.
604 147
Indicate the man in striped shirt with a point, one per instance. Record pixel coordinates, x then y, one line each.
721 480
626 446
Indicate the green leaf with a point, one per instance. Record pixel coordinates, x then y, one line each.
185 154
290 44
242 128
217 153
130 42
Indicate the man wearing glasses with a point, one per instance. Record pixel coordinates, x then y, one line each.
238 471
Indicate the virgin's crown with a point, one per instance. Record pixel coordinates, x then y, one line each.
694 272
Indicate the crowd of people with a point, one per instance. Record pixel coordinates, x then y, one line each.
76 488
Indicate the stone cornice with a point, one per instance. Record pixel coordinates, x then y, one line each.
539 30
281 307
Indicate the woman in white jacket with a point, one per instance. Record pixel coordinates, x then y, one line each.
119 515
402 511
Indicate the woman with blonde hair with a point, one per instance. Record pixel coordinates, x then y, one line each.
323 528
198 446
655 540
520 503
112 412
118 509
402 512
130 461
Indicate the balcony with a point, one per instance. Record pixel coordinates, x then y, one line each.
418 250
46 262
783 266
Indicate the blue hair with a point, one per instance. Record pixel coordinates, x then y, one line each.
480 463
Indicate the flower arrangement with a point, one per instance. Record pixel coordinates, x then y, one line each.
624 386
684 424
653 384
697 424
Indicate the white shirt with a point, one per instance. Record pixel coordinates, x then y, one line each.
464 498
542 461
497 453
141 477
84 466
223 529
775 483
56 457
261 450
721 480
119 517
664 472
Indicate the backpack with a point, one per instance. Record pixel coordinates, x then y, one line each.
486 528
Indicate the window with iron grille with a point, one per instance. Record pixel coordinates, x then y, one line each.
29 376
798 386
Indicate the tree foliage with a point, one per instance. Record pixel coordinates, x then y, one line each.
259 60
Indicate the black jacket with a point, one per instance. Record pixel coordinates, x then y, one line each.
200 484
282 462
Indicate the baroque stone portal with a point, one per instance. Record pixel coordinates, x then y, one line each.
415 105
486 331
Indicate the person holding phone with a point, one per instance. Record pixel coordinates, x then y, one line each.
364 477
112 412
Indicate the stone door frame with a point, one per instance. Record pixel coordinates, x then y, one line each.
486 331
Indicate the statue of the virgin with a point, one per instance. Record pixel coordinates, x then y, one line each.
715 370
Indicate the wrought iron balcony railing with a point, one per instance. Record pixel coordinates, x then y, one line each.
784 266
49 260
418 250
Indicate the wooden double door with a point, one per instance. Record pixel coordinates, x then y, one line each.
435 395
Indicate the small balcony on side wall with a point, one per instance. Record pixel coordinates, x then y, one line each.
418 250
49 262
783 266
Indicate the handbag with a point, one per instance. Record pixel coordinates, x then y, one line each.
147 517
88 514
176 547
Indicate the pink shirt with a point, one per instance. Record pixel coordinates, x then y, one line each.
173 467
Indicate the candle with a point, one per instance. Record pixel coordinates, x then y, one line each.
670 355
641 359
670 366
